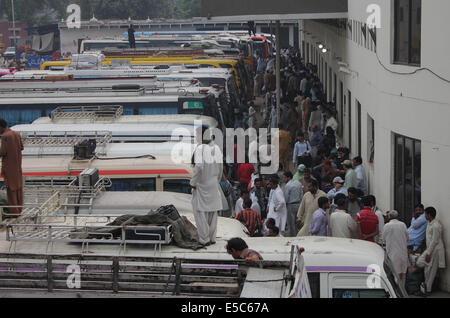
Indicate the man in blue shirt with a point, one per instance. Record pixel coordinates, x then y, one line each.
418 228
302 151
319 223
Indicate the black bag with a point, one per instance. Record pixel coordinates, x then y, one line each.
170 211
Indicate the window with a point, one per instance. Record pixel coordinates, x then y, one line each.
370 139
314 284
132 185
330 85
358 114
303 50
360 293
341 110
407 31
307 53
350 120
407 185
178 186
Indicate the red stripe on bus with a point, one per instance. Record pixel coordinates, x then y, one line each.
105 173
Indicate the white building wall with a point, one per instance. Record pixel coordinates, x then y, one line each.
416 106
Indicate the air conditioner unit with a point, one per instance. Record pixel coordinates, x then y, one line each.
88 178
85 149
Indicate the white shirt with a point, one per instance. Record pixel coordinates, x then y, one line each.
332 123
396 237
239 206
253 152
361 176
303 85
278 203
342 224
207 175
379 238
315 119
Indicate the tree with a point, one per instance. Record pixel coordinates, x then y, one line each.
123 9
187 8
45 11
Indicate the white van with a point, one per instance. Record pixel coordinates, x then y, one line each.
336 268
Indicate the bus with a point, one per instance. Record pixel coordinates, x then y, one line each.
28 107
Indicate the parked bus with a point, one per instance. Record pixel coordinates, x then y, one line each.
27 108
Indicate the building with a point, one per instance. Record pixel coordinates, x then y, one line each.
99 29
392 87
7 33
44 39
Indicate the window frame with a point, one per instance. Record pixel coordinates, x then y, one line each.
406 214
395 55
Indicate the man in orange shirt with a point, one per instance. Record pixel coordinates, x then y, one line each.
11 153
284 143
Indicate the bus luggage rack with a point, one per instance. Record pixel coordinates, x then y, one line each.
30 215
71 194
62 140
87 112
116 235
128 275
69 90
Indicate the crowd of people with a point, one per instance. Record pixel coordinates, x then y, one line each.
319 190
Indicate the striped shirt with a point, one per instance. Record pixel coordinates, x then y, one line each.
251 219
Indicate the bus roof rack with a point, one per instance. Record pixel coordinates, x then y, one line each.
61 139
87 112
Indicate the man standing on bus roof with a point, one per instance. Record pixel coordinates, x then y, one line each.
131 38
11 153
206 195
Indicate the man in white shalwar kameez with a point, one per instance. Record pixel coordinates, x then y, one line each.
206 196
277 206
434 256
396 237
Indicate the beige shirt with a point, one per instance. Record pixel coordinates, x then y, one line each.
342 224
435 245
309 205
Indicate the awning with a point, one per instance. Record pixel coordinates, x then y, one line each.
270 10
43 43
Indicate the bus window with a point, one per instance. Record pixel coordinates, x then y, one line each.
139 185
206 66
227 66
128 111
158 111
177 186
359 293
20 116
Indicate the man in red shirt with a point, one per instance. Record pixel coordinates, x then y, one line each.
245 171
250 218
367 222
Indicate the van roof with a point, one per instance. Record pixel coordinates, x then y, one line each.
322 254
325 253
